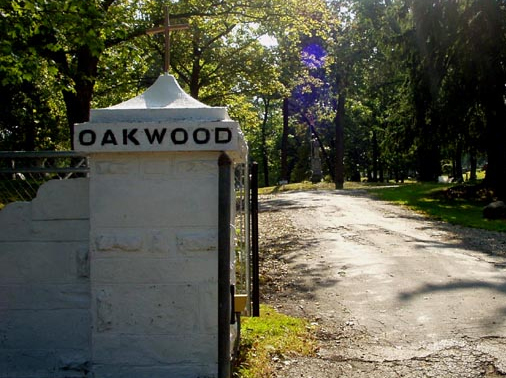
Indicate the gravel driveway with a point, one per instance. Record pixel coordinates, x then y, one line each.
391 293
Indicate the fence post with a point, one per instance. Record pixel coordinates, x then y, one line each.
254 240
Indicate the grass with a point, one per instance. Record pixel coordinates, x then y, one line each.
301 186
306 185
435 201
271 337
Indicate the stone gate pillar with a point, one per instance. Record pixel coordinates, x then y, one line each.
154 232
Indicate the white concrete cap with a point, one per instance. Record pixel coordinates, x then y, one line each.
162 119
164 100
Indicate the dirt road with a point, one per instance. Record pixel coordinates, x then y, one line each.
392 294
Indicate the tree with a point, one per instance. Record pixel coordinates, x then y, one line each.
71 37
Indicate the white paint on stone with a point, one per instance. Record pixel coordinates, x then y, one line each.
164 118
111 168
45 315
157 270
83 261
192 168
104 311
118 273
119 242
46 206
197 241
164 93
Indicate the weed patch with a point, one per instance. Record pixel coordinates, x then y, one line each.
271 338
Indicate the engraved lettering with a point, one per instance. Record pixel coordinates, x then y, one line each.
222 135
201 136
130 136
155 136
87 137
109 138
179 136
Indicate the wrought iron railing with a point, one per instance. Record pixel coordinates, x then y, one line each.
22 173
242 227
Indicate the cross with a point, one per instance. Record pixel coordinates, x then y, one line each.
166 29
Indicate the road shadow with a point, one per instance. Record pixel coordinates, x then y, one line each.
493 321
303 276
279 204
289 273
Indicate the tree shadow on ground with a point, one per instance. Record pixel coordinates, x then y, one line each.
491 322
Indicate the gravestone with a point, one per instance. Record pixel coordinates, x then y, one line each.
316 164
154 215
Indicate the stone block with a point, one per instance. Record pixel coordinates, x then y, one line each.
197 240
155 270
136 243
34 363
116 166
60 230
168 371
83 261
155 350
158 168
44 297
39 262
27 363
119 242
122 203
146 309
208 307
15 221
45 329
62 199
188 169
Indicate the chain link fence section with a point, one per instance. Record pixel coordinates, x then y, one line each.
22 173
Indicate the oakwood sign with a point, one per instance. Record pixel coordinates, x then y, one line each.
205 136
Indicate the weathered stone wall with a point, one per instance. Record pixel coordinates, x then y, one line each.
118 275
45 318
154 264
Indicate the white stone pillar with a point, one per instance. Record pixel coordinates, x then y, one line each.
154 232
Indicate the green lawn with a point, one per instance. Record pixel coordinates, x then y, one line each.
432 200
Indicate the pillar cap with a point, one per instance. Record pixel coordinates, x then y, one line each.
164 100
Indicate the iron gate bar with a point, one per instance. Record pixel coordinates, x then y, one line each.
46 170
38 154
254 241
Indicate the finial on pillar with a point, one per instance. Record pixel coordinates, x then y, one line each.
166 29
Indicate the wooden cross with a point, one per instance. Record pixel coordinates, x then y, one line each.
166 29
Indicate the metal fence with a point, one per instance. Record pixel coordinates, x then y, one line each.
242 227
22 173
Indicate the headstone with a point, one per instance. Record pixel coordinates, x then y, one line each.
316 164
154 232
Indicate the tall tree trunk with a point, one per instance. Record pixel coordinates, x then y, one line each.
194 80
427 152
496 169
375 155
78 102
284 142
473 161
457 162
339 131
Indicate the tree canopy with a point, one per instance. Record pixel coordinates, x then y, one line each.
389 89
